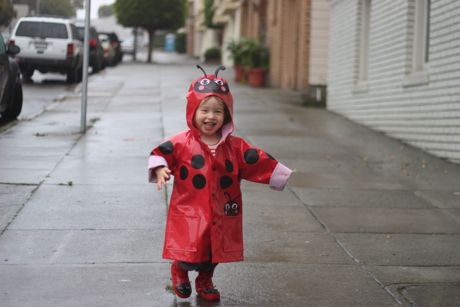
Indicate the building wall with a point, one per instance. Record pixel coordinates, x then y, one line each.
288 37
227 14
426 115
231 32
253 18
319 40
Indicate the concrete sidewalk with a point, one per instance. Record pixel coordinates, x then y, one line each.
365 221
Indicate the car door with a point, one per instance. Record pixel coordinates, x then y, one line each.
4 70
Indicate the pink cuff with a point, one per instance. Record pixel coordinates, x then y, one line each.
154 162
279 177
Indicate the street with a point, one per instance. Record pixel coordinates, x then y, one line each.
365 220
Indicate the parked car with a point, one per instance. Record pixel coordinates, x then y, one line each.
116 44
109 50
10 82
48 44
96 52
127 45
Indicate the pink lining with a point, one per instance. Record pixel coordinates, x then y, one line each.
280 177
154 162
226 130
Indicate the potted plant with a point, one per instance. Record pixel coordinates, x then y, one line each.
255 58
236 51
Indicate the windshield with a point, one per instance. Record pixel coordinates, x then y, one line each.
42 29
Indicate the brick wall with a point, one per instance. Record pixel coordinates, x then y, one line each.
424 115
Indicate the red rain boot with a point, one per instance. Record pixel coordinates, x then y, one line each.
205 288
180 281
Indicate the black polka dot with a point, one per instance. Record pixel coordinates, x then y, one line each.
183 173
166 147
228 166
251 156
197 161
199 181
270 156
225 182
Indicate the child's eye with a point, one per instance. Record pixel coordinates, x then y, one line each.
205 81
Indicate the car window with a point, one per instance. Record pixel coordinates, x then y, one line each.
75 33
103 38
42 29
92 32
81 33
2 46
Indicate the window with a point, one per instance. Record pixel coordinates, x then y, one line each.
364 40
420 55
2 46
42 29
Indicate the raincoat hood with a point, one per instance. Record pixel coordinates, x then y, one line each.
205 86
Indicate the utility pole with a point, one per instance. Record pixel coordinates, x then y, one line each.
37 7
84 91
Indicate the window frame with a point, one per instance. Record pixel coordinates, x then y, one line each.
418 73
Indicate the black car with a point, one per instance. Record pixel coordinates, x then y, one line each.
116 45
96 53
10 82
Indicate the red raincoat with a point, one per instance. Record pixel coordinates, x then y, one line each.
205 213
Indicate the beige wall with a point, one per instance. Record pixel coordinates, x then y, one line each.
288 29
319 36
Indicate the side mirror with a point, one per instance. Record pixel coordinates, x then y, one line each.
12 49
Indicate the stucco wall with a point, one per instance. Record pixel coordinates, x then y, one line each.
424 115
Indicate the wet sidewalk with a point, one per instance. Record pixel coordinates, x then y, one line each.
365 221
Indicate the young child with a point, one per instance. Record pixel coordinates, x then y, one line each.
204 224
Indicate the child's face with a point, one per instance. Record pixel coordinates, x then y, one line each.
209 117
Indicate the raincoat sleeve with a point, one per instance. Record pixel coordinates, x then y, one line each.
258 166
162 155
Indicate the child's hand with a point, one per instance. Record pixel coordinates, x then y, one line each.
162 174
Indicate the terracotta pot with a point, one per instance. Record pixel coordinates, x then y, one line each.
239 73
256 77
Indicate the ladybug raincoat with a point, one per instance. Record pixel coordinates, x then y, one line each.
205 212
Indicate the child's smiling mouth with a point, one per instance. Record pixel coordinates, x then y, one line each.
209 125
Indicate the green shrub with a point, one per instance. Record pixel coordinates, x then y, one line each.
254 55
236 51
212 55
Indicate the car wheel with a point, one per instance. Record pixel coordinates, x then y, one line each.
15 104
72 75
80 74
27 74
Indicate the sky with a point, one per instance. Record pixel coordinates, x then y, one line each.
94 8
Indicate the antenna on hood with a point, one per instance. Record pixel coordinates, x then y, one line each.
199 67
219 69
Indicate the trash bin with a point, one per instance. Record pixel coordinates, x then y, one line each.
170 39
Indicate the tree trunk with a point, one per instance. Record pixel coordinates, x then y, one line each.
135 43
151 38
